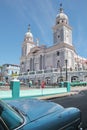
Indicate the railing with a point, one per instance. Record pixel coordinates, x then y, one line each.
52 70
31 72
78 83
48 71
40 72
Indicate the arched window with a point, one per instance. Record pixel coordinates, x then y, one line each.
31 64
58 53
40 62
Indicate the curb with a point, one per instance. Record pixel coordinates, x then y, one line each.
57 96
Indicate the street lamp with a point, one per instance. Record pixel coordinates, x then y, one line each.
66 68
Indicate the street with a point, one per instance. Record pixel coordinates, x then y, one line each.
79 101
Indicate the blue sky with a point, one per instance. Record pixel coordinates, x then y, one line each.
15 15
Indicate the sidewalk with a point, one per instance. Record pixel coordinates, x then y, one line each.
74 90
5 92
48 93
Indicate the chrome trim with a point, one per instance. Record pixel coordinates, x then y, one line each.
24 122
4 124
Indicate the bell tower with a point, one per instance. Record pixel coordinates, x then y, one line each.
62 32
28 42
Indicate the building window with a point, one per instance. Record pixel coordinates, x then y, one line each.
22 63
31 64
28 70
58 53
58 36
40 62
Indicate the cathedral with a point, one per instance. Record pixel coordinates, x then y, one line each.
56 63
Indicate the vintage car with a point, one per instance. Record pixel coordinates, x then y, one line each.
34 114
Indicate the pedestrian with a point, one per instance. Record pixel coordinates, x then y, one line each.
42 84
30 83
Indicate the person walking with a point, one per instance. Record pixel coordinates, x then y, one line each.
42 84
30 83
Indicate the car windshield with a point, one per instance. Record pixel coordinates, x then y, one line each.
10 116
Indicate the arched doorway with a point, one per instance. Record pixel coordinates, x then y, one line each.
74 78
60 79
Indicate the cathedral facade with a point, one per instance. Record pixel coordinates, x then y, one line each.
56 63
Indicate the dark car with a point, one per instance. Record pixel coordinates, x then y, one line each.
34 114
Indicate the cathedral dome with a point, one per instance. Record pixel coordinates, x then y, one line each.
28 34
61 17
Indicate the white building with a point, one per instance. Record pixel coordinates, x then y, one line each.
52 63
9 71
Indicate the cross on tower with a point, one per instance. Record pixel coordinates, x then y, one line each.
29 28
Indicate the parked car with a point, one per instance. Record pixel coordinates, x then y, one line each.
34 114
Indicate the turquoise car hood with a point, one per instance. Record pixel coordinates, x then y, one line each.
34 108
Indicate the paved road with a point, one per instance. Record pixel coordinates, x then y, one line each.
79 101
